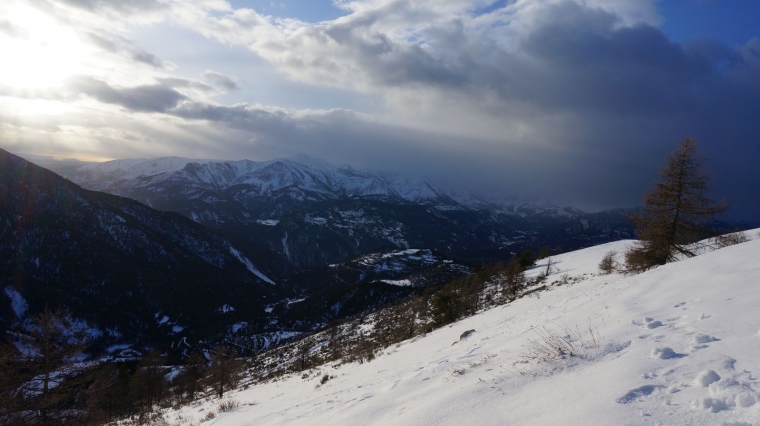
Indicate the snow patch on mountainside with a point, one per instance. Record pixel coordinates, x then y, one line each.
18 303
698 366
400 283
244 260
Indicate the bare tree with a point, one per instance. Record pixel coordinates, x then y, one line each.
677 212
148 386
225 370
189 381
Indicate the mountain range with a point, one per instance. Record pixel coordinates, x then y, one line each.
310 213
174 252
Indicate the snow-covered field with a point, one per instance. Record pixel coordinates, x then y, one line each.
680 345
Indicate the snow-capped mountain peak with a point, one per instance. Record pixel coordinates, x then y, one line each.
300 176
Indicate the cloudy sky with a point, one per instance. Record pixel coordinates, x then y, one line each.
576 101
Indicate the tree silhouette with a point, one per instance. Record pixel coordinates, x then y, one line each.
225 370
677 212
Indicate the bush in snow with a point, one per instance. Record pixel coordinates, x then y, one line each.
609 263
554 346
730 239
228 405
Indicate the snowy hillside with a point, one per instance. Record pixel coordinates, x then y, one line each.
675 345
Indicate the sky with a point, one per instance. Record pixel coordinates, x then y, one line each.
574 101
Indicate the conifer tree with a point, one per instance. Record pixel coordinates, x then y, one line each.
677 212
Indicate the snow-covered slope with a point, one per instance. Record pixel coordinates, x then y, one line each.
677 345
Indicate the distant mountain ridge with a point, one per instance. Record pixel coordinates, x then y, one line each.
313 213
299 177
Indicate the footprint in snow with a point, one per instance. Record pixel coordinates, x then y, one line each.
725 393
637 394
706 377
650 323
699 341
703 338
665 353
729 363
679 305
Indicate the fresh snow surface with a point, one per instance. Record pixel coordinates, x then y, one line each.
700 367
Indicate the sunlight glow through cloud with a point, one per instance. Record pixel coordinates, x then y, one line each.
44 54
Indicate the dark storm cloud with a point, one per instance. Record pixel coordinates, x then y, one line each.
577 58
584 62
148 98
219 79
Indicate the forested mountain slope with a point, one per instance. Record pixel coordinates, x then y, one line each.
130 272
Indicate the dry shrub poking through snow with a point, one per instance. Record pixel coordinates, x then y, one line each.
556 346
731 239
609 263
228 405
324 379
210 415
183 421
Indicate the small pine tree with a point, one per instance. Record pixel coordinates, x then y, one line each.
676 213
